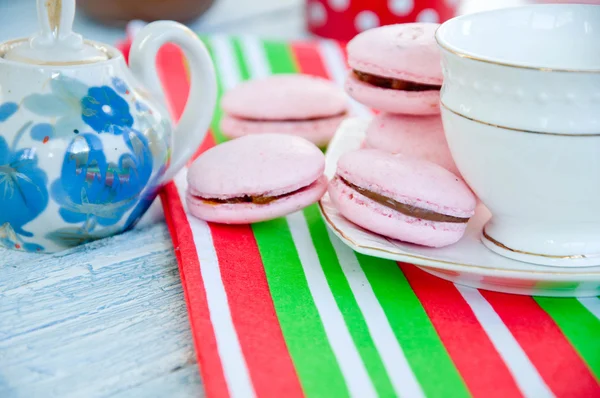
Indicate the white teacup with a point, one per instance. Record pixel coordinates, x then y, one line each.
521 111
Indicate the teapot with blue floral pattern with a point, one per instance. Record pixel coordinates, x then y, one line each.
85 141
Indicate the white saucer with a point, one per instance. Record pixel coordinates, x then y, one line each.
467 262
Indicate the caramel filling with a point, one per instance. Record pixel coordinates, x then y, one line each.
309 119
393 84
403 208
257 200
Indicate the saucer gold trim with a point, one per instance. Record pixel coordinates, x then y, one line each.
502 270
507 64
515 129
558 257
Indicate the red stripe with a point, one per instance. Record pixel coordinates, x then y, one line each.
208 143
309 59
253 313
471 350
173 74
261 339
203 332
252 310
124 46
342 47
174 77
561 367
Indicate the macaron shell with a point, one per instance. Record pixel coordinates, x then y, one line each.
246 213
263 164
285 97
393 101
385 221
403 51
419 136
408 180
318 131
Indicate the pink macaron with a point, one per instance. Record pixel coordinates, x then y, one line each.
396 69
419 136
401 197
255 178
306 106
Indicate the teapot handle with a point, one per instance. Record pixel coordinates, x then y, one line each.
198 113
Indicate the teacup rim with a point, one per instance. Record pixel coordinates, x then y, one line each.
443 44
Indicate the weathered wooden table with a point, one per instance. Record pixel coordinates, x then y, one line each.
109 318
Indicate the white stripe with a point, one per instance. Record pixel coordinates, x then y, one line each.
347 355
254 54
228 345
401 375
227 65
524 372
332 56
134 27
349 360
592 304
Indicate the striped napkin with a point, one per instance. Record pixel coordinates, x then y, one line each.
285 309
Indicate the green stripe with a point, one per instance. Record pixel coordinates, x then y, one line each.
216 122
420 343
281 60
579 325
239 55
280 57
304 334
347 304
303 331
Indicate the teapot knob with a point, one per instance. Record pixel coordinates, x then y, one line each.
55 18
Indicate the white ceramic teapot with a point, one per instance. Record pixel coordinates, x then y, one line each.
85 142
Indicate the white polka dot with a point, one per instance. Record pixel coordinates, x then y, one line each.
401 7
317 15
106 109
366 20
428 15
339 5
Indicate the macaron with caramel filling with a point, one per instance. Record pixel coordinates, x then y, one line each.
305 106
255 178
396 69
401 197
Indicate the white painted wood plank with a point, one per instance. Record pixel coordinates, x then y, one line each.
104 319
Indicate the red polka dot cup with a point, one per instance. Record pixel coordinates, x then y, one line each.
344 19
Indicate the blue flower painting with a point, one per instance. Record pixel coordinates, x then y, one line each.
9 238
23 192
120 86
146 199
106 111
94 192
63 104
7 109
107 178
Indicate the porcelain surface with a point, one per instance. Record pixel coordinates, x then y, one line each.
84 146
467 262
534 68
520 105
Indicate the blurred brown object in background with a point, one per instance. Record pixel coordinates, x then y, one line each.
119 12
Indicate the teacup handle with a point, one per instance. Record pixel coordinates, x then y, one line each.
193 124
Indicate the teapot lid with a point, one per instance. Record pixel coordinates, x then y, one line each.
55 43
